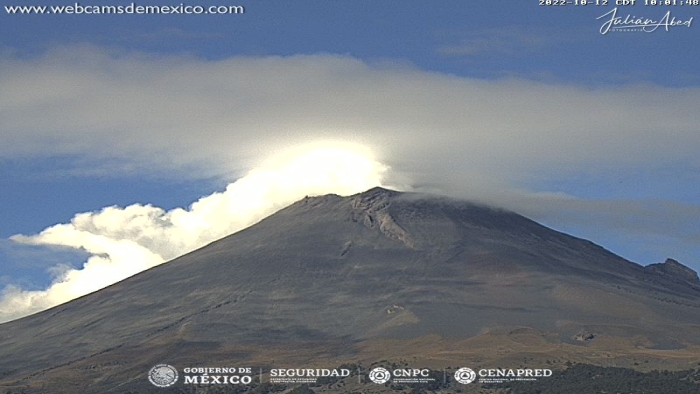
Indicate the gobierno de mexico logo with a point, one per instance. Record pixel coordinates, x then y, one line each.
162 375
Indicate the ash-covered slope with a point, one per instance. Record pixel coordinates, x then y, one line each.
329 274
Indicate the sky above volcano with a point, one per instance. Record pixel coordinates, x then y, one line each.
128 139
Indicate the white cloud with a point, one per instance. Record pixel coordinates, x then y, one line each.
125 241
219 117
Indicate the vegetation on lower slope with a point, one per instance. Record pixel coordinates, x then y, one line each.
584 379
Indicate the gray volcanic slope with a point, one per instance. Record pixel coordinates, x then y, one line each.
331 273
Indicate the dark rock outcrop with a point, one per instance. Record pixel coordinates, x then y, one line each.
675 270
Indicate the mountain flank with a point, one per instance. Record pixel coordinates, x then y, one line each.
380 275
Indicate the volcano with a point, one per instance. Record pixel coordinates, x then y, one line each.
380 275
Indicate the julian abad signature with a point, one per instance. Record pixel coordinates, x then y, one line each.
644 24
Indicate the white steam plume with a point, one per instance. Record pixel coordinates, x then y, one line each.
125 241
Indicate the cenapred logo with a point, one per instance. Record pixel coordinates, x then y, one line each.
465 375
379 375
162 375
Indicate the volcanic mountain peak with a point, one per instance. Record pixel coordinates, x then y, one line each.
375 197
361 278
371 200
416 220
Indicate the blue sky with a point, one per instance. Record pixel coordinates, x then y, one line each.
524 106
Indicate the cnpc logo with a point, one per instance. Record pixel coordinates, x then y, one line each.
381 375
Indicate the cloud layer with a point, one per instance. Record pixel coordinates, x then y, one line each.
500 141
221 117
